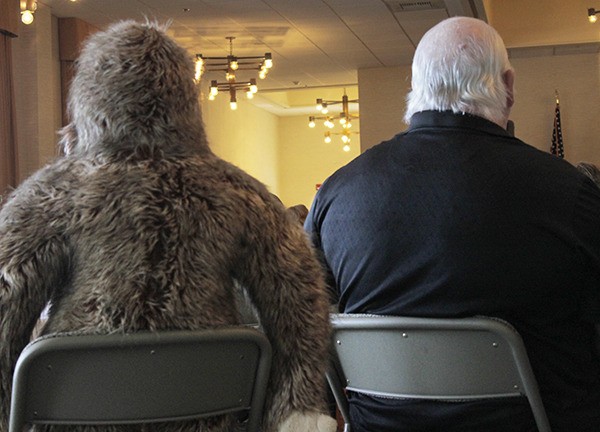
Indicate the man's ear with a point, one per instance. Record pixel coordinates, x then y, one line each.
509 80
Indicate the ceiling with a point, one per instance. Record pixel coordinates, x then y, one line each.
322 43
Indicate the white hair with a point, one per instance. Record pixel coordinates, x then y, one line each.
459 66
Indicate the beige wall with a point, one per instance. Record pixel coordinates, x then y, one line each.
246 137
305 160
382 93
576 77
37 91
542 23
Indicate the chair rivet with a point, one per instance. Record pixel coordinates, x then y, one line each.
404 335
339 342
49 367
495 344
152 351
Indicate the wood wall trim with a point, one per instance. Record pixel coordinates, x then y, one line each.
8 121
72 32
9 17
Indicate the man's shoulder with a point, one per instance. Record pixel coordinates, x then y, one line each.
379 152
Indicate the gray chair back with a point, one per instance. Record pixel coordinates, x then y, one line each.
438 359
141 377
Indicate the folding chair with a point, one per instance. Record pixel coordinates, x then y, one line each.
438 359
144 377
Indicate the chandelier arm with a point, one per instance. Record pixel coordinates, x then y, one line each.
237 85
248 68
212 58
251 58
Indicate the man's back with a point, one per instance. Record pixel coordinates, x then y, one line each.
456 218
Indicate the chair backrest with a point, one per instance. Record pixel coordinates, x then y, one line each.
141 377
426 358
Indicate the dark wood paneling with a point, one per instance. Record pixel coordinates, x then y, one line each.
9 17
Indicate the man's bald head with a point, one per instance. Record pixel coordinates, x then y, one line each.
461 65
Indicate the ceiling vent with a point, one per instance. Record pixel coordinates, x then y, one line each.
397 6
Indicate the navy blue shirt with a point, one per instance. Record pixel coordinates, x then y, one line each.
456 218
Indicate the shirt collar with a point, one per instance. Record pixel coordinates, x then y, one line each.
441 119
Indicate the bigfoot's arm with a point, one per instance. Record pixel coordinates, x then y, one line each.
285 281
32 262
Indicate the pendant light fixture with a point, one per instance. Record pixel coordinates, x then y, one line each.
231 64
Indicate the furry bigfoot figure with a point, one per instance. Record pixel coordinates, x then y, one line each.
141 227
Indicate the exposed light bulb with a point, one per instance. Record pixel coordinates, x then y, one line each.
233 64
592 17
249 94
327 139
211 96
26 17
199 68
311 122
268 61
345 138
233 105
214 88
346 148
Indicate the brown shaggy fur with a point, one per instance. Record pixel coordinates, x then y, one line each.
141 227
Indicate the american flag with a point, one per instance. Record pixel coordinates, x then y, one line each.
557 148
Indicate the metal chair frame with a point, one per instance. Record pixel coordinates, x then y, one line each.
430 358
145 377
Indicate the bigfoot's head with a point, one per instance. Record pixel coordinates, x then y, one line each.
133 92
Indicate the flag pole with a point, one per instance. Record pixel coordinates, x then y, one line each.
557 145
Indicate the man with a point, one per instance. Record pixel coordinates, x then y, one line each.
456 218
140 227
